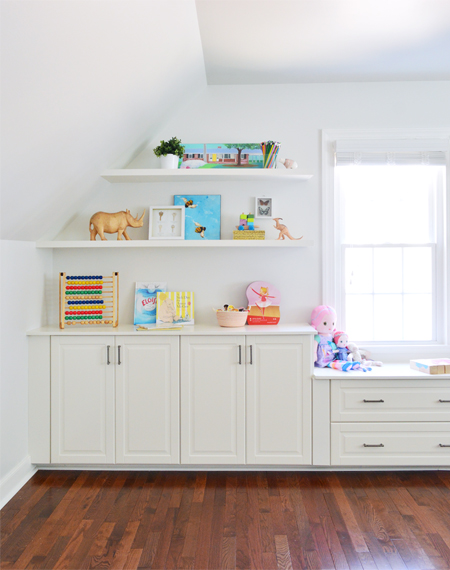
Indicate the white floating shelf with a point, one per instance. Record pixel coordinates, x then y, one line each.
185 174
172 243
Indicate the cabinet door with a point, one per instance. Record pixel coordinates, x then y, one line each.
278 400
213 400
147 399
82 396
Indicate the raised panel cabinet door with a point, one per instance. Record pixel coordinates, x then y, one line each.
147 400
213 400
278 400
82 399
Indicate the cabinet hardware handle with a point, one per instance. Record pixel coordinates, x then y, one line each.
240 354
108 361
373 444
118 355
251 354
444 401
444 445
373 401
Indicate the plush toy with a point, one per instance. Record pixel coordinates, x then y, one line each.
341 341
323 319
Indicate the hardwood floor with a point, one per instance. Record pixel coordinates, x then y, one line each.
261 520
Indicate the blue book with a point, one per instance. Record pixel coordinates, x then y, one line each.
145 301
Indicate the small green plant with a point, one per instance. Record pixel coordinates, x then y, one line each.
173 146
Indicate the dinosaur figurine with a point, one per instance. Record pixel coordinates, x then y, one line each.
282 229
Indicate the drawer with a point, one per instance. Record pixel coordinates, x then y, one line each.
371 444
390 400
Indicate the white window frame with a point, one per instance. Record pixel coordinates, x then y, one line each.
332 277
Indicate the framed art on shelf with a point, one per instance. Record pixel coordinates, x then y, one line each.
263 207
202 214
166 222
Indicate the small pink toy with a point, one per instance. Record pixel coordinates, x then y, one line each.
283 230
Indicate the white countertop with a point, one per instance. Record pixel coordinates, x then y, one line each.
192 330
397 371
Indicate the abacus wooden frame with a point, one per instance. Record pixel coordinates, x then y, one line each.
112 295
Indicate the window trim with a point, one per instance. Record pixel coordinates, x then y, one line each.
332 274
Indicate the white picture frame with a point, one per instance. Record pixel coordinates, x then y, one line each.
264 207
166 222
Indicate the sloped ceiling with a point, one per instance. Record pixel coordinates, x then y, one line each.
300 41
83 84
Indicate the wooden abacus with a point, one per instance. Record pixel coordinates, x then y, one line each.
88 300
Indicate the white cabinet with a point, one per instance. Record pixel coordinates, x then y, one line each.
82 400
114 400
278 400
147 400
213 400
246 400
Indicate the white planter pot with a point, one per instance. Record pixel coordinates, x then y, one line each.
169 161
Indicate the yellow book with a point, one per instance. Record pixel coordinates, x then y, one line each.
175 307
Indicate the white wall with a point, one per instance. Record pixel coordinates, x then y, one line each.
26 292
84 84
291 114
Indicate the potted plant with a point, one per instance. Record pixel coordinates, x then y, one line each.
170 151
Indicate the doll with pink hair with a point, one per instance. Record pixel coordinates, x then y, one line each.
340 339
323 319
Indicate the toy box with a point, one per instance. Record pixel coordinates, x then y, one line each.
431 365
175 307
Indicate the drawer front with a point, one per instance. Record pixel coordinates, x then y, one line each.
371 444
390 400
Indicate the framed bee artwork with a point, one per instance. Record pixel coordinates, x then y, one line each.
263 207
166 222
202 219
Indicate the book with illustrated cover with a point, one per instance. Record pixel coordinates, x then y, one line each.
145 301
175 307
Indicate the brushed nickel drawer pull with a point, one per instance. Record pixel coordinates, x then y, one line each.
444 401
240 354
251 354
373 401
118 354
108 361
444 445
373 444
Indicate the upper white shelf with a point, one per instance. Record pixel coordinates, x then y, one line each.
172 243
185 174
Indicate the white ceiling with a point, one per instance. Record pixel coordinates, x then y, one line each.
298 41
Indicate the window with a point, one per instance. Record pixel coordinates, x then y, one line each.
385 219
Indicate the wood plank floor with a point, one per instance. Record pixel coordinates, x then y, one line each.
260 520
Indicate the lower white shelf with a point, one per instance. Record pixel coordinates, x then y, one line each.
173 243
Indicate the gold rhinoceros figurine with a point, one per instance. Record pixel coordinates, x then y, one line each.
102 222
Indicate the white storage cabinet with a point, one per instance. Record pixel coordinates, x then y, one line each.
246 400
114 400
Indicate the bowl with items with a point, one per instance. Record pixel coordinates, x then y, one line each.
229 316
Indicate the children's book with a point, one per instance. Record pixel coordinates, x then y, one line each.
175 307
145 302
431 365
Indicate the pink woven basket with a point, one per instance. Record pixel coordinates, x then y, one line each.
232 318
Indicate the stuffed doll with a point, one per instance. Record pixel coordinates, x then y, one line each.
342 350
323 319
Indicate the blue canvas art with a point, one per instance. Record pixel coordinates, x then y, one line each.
202 221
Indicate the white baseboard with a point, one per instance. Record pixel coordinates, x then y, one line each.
13 481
